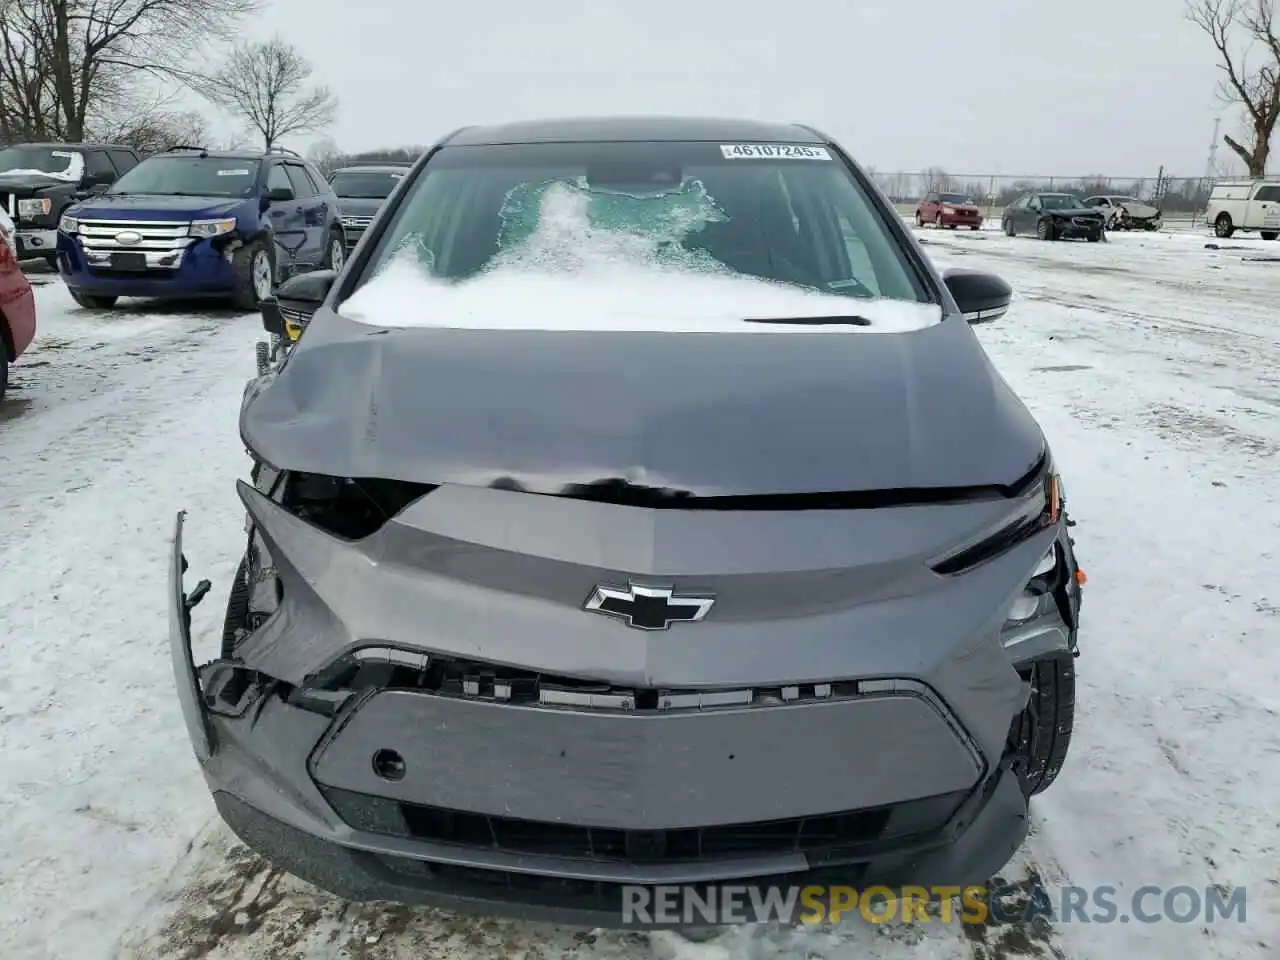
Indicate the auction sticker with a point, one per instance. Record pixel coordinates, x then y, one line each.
773 151
233 173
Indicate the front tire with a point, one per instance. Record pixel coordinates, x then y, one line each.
92 302
1223 227
335 256
254 270
1041 734
1044 230
1268 234
237 612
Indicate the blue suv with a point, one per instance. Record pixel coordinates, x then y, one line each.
195 223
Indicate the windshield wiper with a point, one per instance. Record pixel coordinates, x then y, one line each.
851 321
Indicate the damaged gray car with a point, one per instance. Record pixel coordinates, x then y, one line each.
544 598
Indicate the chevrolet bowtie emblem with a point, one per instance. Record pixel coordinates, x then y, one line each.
648 608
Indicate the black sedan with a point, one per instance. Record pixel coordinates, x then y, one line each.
1053 216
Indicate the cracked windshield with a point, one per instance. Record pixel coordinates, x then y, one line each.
601 481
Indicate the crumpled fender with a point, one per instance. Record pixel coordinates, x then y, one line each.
184 668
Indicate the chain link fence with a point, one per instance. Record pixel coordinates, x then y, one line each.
1180 199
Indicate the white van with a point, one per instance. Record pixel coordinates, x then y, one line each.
1245 205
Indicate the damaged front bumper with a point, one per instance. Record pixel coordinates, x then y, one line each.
411 796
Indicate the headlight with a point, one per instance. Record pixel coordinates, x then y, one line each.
1033 597
34 208
211 228
69 224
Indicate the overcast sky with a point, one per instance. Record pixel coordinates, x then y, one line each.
1118 87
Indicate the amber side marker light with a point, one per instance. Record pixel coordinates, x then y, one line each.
1081 577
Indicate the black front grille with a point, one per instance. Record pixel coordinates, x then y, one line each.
822 837
293 316
1086 221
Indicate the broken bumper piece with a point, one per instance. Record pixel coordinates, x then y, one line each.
549 808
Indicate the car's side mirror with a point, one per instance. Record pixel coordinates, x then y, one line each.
980 296
307 290
279 195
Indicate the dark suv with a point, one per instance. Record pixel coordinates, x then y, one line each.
38 181
362 190
195 223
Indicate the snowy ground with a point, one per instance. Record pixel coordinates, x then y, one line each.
1154 365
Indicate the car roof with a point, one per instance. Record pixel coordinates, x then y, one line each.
635 129
388 167
227 154
93 145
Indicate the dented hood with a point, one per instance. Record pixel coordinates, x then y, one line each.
711 414
1139 211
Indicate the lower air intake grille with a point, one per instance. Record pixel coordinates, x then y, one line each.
819 835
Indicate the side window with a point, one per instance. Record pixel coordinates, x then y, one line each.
931 198
303 188
123 160
1268 193
318 182
277 179
1033 203
97 165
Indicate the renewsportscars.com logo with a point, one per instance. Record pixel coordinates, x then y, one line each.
738 904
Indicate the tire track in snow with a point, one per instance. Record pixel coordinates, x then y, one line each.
82 398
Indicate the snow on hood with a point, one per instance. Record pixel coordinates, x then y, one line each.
73 173
587 262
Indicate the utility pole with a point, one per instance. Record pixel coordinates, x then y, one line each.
1211 166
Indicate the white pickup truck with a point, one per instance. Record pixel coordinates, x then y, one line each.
1245 205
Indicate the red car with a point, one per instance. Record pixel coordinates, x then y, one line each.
17 303
948 210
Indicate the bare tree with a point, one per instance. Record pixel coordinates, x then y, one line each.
65 63
153 131
935 178
1239 29
266 84
325 155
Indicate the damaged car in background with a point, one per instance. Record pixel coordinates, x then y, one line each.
636 507
1126 213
